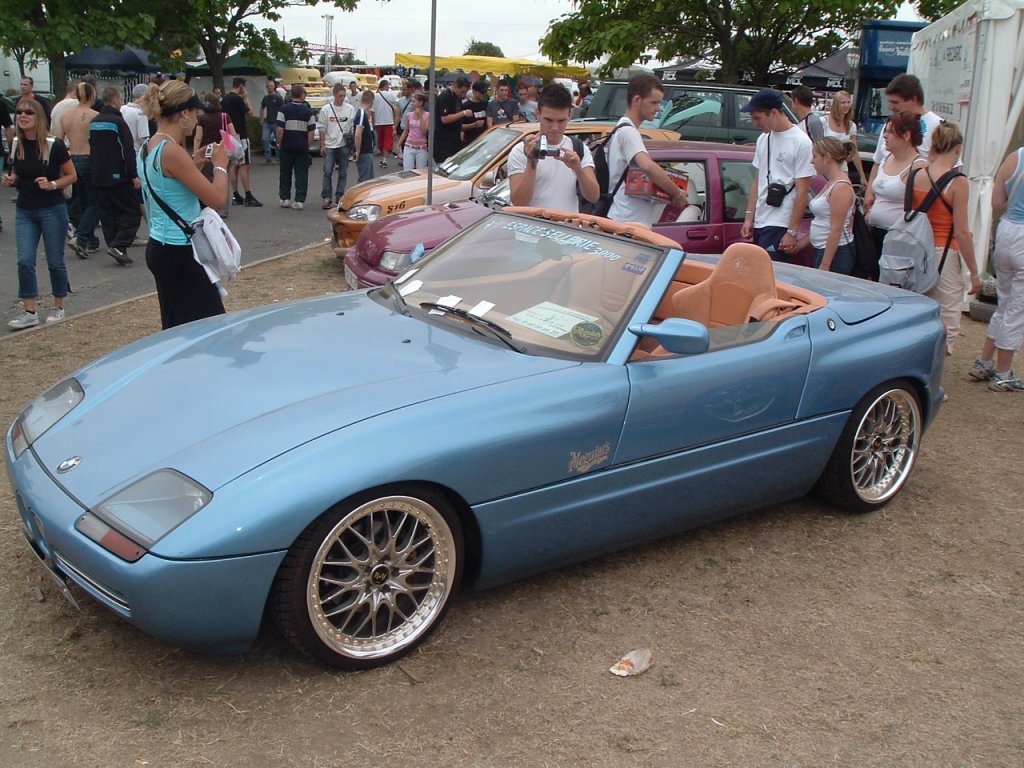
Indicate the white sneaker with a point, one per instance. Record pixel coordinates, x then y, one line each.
56 315
286 203
25 319
297 206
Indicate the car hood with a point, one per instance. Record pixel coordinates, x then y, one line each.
430 225
408 186
216 398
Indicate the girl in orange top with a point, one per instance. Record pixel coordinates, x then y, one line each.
943 155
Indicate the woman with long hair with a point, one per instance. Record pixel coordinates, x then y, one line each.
948 217
831 233
839 125
414 138
168 172
41 170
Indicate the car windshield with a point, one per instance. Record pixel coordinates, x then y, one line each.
549 288
470 160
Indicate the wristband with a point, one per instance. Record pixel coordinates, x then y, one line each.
53 186
221 169
748 213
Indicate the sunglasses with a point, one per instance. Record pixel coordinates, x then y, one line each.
24 112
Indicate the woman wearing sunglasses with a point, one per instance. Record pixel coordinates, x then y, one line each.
41 170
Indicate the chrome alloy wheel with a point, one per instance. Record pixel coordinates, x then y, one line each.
885 446
381 577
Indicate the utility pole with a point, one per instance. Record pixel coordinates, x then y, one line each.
328 24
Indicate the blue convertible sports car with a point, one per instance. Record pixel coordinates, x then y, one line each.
539 390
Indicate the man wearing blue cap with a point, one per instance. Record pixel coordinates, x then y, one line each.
776 204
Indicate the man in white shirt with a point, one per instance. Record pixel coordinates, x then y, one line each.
135 116
777 202
336 120
549 180
385 111
905 94
70 101
644 95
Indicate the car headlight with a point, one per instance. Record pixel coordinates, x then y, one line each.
144 512
45 411
393 261
364 212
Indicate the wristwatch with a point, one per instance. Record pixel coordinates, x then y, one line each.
792 232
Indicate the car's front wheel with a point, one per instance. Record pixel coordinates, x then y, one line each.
876 450
369 580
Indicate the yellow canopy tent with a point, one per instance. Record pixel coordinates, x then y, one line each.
492 65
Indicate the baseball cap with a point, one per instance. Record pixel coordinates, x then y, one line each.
764 99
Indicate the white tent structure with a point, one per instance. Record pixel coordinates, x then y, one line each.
971 64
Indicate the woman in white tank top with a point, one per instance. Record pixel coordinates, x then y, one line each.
831 234
883 202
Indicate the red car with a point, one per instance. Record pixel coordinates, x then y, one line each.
719 177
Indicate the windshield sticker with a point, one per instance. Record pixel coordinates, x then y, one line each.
586 334
481 309
550 319
634 269
405 276
562 237
408 288
584 462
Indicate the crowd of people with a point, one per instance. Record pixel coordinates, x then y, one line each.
96 147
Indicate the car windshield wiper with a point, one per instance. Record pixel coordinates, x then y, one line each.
400 303
501 334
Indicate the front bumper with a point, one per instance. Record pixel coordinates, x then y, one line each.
212 605
344 231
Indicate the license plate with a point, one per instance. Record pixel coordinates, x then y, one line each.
350 278
58 578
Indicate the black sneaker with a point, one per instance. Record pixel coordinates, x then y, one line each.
78 249
252 202
120 256
237 199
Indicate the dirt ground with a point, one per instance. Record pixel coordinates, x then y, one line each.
794 636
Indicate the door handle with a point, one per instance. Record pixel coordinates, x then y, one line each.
696 234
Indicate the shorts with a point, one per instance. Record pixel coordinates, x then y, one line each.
386 137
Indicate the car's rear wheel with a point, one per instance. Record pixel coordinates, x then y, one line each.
876 450
369 580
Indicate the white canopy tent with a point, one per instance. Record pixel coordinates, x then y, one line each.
971 64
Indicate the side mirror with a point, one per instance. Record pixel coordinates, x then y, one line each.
678 336
487 180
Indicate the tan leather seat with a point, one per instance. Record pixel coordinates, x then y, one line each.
741 288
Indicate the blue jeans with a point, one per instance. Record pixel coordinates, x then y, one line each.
89 214
364 165
842 262
269 140
52 225
335 158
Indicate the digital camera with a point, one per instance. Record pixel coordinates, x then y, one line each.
543 150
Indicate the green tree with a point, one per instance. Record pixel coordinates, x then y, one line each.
749 38
48 31
935 9
350 58
480 48
222 27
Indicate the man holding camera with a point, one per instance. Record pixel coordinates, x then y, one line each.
546 167
776 204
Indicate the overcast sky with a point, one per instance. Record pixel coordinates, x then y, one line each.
378 30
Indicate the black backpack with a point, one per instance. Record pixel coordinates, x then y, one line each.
604 202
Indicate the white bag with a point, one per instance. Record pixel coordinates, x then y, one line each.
215 248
